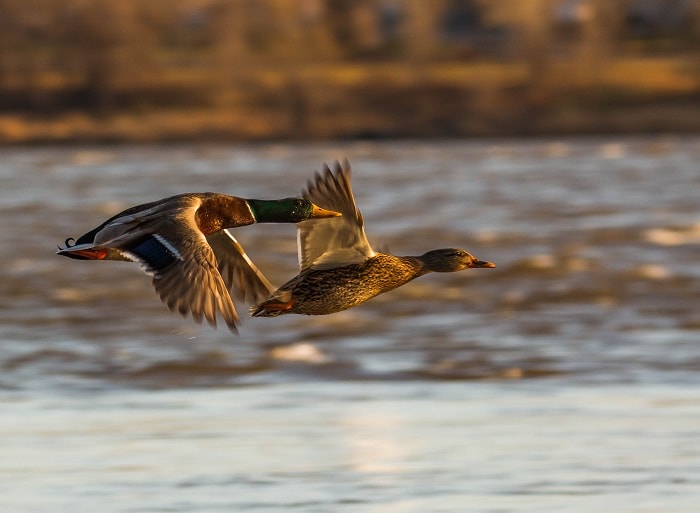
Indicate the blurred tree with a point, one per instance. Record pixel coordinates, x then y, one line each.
535 35
26 51
422 30
110 47
227 27
600 21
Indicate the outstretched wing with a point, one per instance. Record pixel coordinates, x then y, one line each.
201 294
241 275
185 273
193 273
337 241
173 250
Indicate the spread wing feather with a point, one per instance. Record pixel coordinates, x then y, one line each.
241 276
193 285
193 274
338 241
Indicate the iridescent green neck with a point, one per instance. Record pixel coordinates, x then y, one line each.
287 210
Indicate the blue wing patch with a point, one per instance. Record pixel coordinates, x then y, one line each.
155 254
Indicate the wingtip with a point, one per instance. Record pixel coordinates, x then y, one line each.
231 324
342 166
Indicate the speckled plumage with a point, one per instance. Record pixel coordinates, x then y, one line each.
339 270
320 292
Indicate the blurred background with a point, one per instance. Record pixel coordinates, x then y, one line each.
558 139
129 70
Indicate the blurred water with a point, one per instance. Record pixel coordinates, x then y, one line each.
564 380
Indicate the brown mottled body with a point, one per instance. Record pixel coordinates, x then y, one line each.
320 292
339 269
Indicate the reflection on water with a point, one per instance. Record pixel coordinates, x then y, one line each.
586 331
596 245
369 447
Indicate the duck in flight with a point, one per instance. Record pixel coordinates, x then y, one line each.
185 244
339 269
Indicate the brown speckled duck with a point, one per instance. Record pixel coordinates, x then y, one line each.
184 243
339 269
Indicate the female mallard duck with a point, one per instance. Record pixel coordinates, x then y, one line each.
339 269
183 242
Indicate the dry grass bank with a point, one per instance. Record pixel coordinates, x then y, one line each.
448 99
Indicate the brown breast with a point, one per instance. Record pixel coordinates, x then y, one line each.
219 211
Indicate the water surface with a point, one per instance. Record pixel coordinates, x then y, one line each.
564 380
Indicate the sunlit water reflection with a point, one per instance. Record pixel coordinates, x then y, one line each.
563 380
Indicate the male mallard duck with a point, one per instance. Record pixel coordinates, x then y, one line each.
183 242
339 269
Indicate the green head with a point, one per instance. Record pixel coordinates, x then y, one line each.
450 260
287 210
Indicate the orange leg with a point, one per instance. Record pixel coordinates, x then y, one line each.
279 306
91 254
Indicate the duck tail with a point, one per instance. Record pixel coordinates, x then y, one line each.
260 311
278 304
81 251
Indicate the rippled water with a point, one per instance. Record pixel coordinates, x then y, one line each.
565 379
